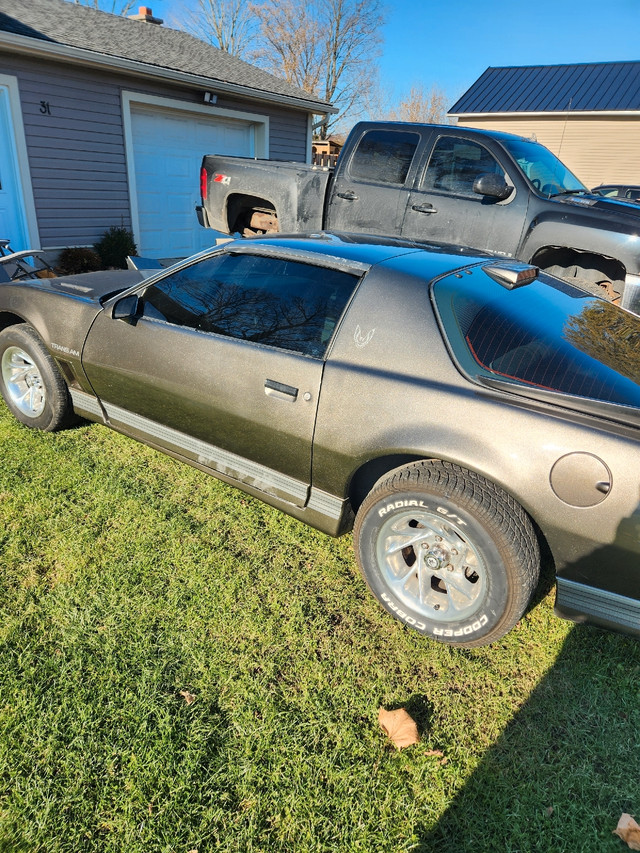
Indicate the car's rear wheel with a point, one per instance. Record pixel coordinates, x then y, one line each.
447 552
30 381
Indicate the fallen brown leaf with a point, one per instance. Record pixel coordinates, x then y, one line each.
189 698
434 753
629 831
399 727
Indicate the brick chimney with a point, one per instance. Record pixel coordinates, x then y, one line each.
145 14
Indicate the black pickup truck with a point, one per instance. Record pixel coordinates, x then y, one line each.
489 191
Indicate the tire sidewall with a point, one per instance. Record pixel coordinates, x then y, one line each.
493 603
27 340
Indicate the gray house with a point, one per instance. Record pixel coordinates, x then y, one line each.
104 121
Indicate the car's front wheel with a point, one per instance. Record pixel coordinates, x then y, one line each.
30 381
447 552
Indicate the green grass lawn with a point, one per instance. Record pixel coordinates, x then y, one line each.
129 581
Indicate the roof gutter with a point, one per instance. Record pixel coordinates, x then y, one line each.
545 114
81 56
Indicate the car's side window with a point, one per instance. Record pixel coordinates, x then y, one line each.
273 301
454 165
384 156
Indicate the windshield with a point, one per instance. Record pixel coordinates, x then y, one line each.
547 174
547 335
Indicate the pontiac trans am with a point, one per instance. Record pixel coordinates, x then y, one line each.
463 415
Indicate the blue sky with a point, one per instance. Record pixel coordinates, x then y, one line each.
449 43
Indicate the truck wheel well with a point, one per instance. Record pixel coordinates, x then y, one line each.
241 208
580 267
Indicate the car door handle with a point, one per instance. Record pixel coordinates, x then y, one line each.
348 195
280 391
424 208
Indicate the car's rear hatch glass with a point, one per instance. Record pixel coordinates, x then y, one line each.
546 335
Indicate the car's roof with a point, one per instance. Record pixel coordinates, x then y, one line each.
366 249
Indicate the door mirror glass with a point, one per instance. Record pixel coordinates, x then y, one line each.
126 309
492 185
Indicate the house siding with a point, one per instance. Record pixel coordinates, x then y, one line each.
76 146
597 149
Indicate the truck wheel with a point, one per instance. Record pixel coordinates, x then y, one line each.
30 381
447 552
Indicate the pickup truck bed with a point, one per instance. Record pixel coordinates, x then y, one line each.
293 189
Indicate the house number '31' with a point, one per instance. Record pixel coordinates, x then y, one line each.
45 109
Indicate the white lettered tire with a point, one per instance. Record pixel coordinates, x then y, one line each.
30 381
447 552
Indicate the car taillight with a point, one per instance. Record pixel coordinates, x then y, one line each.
203 183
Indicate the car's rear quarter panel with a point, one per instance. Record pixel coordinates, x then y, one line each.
390 388
62 321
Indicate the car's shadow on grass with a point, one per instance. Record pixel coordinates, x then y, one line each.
566 766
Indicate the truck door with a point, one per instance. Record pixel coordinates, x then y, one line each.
444 208
369 193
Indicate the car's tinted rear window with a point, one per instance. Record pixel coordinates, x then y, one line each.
548 337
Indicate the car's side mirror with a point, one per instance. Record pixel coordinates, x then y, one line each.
492 185
127 309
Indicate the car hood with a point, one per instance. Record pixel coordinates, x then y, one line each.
611 207
93 286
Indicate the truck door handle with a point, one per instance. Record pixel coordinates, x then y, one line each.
280 391
424 208
348 195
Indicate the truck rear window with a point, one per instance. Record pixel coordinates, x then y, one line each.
384 156
548 336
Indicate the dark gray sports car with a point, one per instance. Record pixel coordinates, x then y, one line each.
462 414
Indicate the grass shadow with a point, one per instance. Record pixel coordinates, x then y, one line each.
565 768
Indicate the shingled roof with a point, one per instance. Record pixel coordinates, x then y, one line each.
589 87
60 24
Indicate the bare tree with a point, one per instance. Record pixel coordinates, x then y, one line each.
326 47
422 105
226 24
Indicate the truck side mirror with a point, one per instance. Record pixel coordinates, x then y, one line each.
492 185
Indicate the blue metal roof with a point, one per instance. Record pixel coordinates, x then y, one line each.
589 87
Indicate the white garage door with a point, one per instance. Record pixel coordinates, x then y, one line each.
168 146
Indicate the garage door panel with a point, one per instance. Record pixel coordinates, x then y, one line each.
178 168
176 204
168 146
